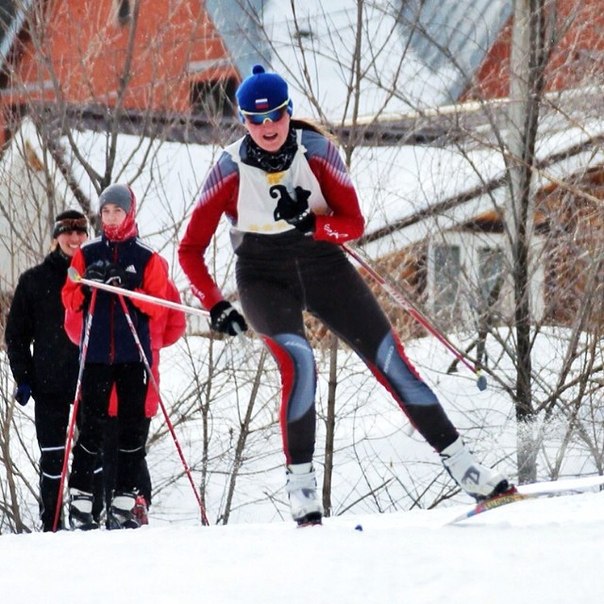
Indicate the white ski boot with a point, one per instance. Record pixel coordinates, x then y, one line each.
80 511
121 513
475 479
301 488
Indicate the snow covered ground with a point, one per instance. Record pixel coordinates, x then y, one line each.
535 551
546 550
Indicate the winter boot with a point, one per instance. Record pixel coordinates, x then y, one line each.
301 488
475 479
47 524
121 512
141 510
80 511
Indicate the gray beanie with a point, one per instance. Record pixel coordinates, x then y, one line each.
120 195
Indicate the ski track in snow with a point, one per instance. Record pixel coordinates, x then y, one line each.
538 550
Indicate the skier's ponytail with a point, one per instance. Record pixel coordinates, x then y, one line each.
309 124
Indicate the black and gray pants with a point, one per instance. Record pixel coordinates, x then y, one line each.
280 276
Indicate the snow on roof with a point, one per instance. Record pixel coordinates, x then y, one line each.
239 30
410 56
412 180
455 35
396 185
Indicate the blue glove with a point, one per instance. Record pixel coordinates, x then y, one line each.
225 319
22 394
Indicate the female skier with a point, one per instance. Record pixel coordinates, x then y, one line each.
291 203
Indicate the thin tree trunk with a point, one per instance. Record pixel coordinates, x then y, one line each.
526 87
330 424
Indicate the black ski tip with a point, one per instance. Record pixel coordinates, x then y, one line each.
502 488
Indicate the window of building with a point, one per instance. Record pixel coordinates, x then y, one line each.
469 276
491 264
214 98
123 11
447 267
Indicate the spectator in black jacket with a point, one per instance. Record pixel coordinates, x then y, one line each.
43 360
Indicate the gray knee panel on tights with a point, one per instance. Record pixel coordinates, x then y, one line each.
304 379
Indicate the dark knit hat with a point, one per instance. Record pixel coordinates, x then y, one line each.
262 92
70 220
120 195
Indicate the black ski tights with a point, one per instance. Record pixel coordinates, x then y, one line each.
277 285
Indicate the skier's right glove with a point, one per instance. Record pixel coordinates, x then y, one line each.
225 319
22 394
97 271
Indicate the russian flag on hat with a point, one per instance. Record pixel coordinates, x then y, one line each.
262 91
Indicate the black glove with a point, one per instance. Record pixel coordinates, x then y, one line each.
112 274
97 271
22 394
294 211
117 275
225 319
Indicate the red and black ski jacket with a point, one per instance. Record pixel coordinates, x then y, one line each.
220 195
111 340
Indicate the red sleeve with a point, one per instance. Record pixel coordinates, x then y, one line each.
155 282
219 196
71 294
176 323
74 323
346 221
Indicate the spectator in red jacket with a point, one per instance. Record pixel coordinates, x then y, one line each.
166 329
113 356
290 202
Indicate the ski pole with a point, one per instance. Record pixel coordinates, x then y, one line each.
77 278
204 518
400 299
74 411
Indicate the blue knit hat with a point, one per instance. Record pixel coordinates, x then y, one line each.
262 92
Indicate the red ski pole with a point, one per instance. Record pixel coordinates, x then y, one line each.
400 299
74 411
204 518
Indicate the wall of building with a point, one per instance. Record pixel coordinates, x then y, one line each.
80 52
578 51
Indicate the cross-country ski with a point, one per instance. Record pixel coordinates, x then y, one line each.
530 491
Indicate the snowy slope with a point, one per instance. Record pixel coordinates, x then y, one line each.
545 550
